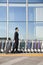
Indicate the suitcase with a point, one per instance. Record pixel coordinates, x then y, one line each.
29 45
22 46
8 47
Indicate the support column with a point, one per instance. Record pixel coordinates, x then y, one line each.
7 19
26 19
26 23
7 26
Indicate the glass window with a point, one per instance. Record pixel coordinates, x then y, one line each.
17 18
35 1
31 13
31 30
17 13
22 29
3 13
24 1
35 24
3 1
31 22
3 20
39 32
3 29
39 23
39 14
17 1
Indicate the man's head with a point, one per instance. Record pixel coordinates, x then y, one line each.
16 29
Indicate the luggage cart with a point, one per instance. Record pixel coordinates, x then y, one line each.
3 46
42 47
8 46
35 46
38 46
29 45
32 47
22 46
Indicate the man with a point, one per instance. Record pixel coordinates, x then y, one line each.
16 38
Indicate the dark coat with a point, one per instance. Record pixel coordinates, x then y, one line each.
16 37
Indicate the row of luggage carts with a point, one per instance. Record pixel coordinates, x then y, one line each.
24 46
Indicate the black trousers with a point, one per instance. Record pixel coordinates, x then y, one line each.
16 46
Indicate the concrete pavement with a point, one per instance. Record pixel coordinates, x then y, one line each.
21 60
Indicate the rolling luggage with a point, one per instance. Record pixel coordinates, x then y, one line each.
29 45
22 46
